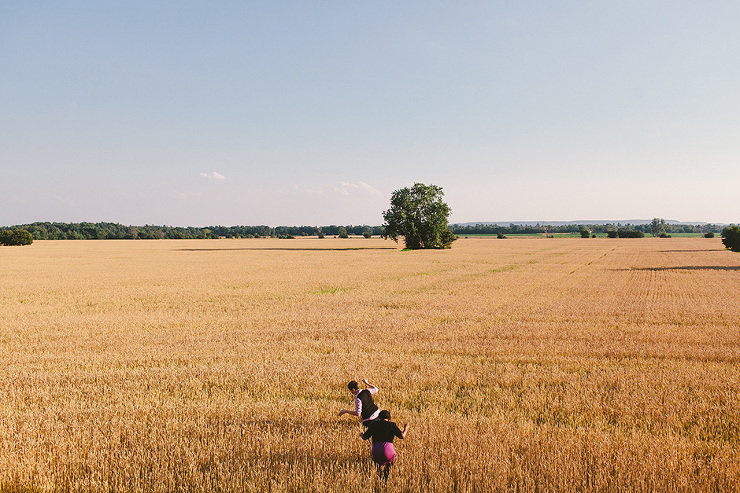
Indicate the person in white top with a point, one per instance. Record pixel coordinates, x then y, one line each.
365 408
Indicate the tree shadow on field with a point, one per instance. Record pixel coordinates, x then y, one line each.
688 267
693 251
285 249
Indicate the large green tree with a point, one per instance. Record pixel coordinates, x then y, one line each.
419 215
731 238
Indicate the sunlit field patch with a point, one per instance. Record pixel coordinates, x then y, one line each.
525 364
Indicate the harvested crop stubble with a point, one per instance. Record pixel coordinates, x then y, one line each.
525 364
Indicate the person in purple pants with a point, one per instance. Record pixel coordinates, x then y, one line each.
383 431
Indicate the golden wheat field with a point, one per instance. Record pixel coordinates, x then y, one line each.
526 364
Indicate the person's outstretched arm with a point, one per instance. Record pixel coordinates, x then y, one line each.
372 388
405 430
356 412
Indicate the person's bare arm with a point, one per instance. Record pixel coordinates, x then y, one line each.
369 385
356 412
405 430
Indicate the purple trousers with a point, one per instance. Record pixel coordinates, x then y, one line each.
384 453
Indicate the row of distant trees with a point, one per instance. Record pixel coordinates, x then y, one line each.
107 230
647 228
115 231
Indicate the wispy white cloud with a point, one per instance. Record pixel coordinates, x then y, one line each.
359 188
213 176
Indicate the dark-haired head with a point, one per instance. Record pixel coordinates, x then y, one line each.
353 385
384 414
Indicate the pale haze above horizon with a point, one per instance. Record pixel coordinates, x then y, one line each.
189 113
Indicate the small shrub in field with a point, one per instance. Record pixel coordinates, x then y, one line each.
709 235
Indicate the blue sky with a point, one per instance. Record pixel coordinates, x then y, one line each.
311 113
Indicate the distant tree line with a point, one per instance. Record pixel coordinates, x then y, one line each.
511 229
115 231
107 230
